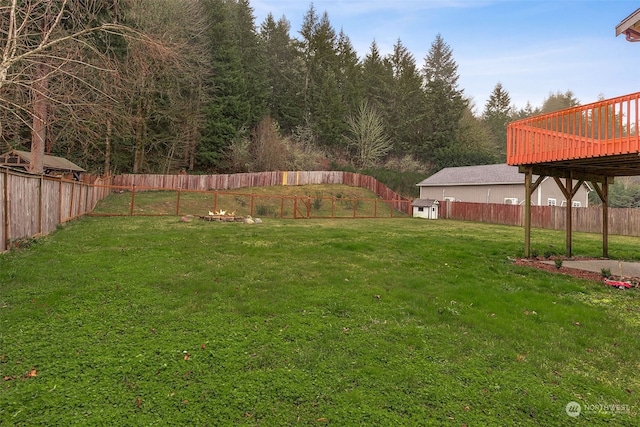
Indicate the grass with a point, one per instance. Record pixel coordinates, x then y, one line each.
149 320
315 201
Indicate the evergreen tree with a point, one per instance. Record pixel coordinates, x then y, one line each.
377 79
349 73
445 106
496 116
238 89
559 101
527 111
285 71
324 107
406 102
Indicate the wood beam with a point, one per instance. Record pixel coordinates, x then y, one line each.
527 213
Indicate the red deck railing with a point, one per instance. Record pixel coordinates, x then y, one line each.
604 128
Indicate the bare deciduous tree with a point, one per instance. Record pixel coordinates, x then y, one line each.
52 61
367 136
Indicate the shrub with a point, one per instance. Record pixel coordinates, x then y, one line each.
317 202
558 263
605 273
263 210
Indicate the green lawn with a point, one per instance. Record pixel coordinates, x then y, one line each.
374 322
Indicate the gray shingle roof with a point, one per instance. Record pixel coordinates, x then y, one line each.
51 162
475 175
424 203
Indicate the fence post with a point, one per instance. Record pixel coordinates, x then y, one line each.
295 206
178 203
281 207
5 244
40 196
73 195
133 198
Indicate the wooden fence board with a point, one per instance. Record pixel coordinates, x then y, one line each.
261 179
622 221
32 205
3 215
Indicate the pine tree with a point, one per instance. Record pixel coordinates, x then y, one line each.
445 106
406 101
377 79
324 108
239 91
349 73
285 71
496 116
559 101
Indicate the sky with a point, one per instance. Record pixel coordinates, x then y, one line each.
533 48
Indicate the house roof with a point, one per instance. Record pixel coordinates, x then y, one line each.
49 162
630 27
475 175
424 203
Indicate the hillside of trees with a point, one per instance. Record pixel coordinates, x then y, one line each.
198 86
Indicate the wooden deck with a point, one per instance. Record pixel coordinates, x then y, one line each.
596 140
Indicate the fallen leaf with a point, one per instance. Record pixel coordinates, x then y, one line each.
187 356
32 373
138 402
203 346
322 420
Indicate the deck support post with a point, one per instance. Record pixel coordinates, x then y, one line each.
603 193
569 198
528 175
605 218
529 188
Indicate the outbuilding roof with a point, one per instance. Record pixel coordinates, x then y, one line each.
475 175
23 158
424 203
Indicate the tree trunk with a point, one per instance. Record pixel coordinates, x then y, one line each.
107 150
39 128
138 156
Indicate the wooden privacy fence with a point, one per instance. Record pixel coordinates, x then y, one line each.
262 179
33 205
622 221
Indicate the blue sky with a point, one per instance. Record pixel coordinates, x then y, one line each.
533 48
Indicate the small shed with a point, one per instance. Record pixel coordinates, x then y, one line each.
53 166
425 208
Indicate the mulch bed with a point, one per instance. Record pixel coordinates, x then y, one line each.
575 272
